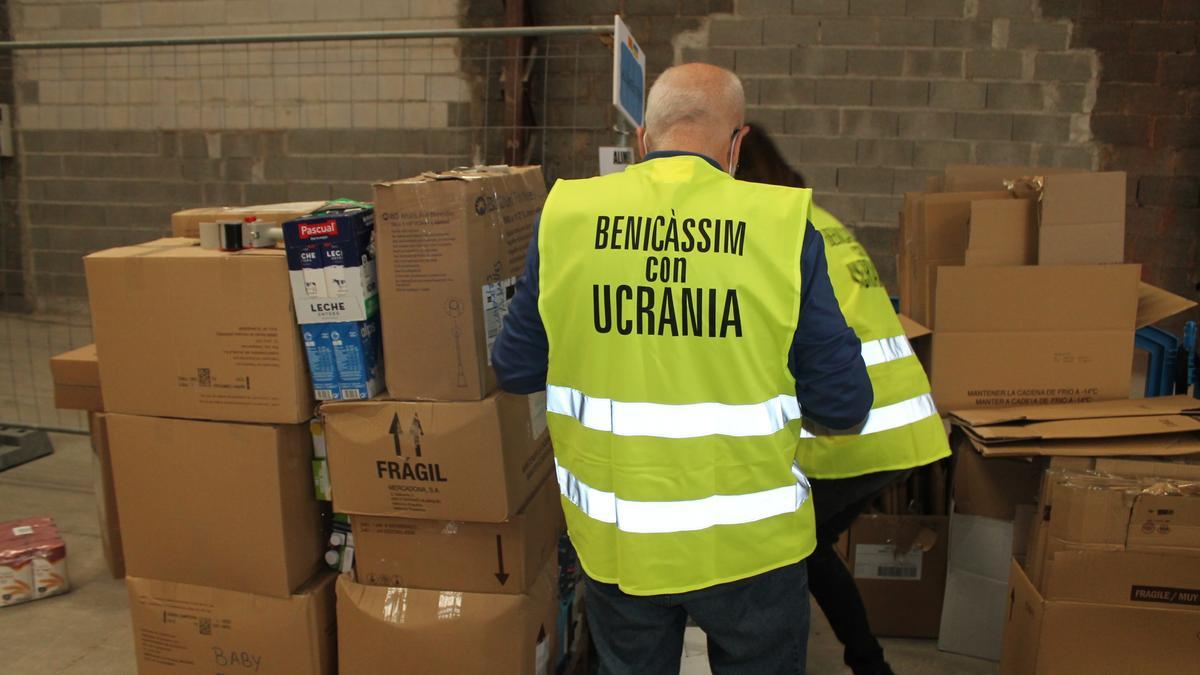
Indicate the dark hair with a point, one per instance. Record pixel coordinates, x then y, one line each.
761 162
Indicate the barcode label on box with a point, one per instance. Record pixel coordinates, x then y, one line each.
22 530
325 395
883 561
351 395
496 298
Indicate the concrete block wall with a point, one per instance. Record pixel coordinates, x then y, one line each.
870 97
1146 122
111 142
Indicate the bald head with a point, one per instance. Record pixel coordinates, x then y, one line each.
694 107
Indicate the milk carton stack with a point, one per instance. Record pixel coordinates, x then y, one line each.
207 406
447 482
331 266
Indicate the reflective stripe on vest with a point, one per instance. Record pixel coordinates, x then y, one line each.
883 350
694 420
894 416
664 517
661 420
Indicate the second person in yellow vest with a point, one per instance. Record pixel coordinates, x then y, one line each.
902 432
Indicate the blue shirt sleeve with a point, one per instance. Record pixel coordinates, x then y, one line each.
826 356
521 351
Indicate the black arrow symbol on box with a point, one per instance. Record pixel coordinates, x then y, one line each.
394 430
501 576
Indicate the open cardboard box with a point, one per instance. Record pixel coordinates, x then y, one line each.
1104 613
1039 335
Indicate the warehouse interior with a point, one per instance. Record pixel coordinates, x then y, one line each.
265 305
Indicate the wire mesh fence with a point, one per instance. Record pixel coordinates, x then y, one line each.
111 140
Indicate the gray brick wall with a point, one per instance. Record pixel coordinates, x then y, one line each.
881 94
88 190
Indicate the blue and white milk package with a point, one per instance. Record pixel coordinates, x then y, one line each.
331 264
344 359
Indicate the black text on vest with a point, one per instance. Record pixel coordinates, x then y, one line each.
673 311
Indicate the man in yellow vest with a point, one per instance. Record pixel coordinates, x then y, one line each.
903 431
684 329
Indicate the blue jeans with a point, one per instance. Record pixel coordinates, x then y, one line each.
755 626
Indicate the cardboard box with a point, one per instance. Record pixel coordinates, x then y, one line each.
899 565
331 266
76 377
1103 623
344 359
451 248
1037 335
216 503
186 223
462 556
430 631
187 332
994 487
476 461
106 496
1147 514
183 628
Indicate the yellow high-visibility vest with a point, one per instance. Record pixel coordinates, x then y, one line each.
903 429
670 294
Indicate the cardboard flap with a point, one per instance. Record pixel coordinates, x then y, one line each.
1161 445
1035 298
1156 304
1160 405
1104 427
912 329
1002 232
1084 199
970 177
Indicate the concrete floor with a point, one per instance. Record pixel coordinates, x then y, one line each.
87 631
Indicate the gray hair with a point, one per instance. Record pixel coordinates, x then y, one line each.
694 95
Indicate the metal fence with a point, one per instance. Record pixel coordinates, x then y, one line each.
433 98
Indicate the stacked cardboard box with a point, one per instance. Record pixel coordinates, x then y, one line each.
206 404
1018 271
454 516
1115 513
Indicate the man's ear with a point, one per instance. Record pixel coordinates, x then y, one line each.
736 148
643 148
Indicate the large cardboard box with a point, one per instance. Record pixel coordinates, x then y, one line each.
1104 614
216 503
463 556
475 461
76 377
186 223
188 629
106 496
1038 335
451 248
899 565
187 332
431 631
